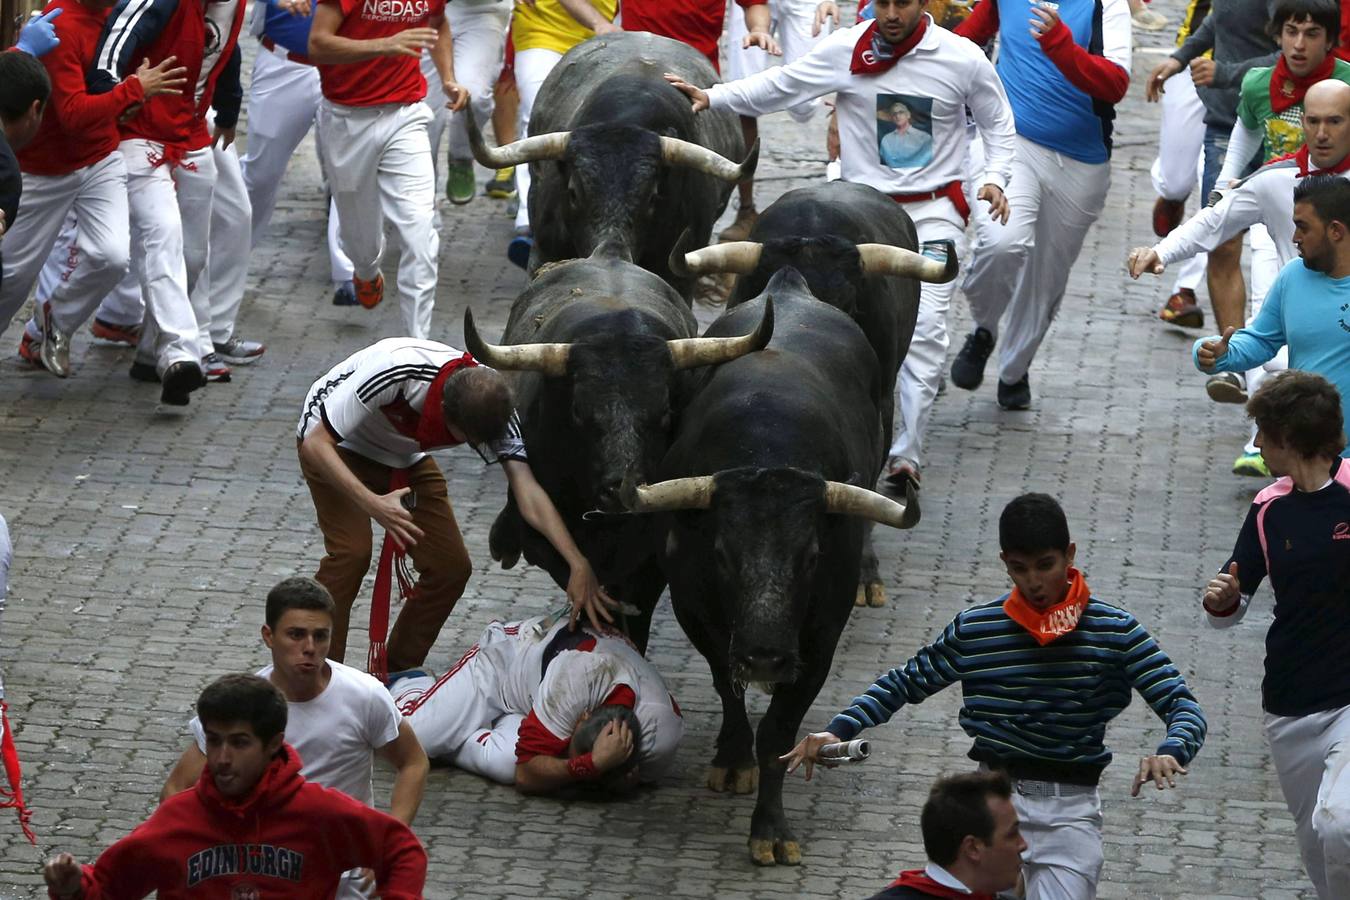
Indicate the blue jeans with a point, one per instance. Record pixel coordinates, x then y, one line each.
1216 148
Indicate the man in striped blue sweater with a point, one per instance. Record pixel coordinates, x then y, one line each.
1043 670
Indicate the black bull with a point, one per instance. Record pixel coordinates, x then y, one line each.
598 346
765 527
618 161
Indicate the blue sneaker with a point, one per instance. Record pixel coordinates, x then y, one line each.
345 295
518 251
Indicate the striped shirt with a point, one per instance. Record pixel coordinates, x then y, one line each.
1046 706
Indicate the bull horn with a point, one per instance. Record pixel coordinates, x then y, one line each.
850 500
686 353
675 494
675 152
883 259
531 149
546 359
735 257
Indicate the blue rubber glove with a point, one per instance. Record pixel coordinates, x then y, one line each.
38 37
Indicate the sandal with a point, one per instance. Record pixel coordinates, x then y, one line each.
1181 309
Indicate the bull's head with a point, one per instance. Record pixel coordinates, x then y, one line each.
615 178
770 528
620 382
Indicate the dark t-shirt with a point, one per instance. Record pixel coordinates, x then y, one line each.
11 186
1306 555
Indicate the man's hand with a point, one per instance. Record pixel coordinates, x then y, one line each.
1202 72
808 752
38 37
1158 769
456 94
998 203
221 137
612 747
693 92
826 10
1213 351
586 594
1042 21
398 522
764 41
1222 593
1144 259
367 882
408 43
166 78
62 874
299 8
1163 71
607 28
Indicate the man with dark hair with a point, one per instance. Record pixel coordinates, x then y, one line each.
252 826
542 707
24 89
1043 670
1304 308
364 435
1297 534
338 718
971 838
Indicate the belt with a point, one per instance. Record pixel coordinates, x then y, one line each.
953 191
1044 790
271 47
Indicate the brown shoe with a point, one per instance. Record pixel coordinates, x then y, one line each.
1181 309
1167 215
740 229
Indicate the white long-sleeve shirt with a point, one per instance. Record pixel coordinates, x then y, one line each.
1264 198
934 83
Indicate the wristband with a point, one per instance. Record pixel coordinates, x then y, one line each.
582 768
1222 614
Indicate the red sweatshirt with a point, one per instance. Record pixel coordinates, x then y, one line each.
78 129
288 838
697 23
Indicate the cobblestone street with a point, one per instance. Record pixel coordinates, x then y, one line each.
145 541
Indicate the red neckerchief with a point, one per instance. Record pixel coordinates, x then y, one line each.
1056 621
431 431
1287 89
919 881
1305 163
873 54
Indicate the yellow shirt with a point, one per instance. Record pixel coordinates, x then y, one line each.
547 26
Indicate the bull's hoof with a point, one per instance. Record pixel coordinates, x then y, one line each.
733 781
771 853
870 595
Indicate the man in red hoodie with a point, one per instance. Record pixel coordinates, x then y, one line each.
252 827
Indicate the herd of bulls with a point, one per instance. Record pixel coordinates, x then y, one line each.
734 467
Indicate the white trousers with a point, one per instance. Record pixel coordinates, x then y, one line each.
1312 757
791 20
1063 859
283 99
1180 160
479 39
61 266
379 158
1024 267
532 67
222 282
1265 264
935 220
98 255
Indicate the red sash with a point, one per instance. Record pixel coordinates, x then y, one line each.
954 192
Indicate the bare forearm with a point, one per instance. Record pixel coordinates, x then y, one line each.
329 49
542 775
407 794
584 13
443 52
538 510
757 18
320 451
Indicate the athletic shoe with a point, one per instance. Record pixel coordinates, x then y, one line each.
1149 20
502 185
181 379
459 184
968 367
900 471
518 251
239 352
1167 215
1182 310
740 229
1227 387
215 368
110 333
1253 465
29 350
1016 395
344 294
55 349
369 293
144 371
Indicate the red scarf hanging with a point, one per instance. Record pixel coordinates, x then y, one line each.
1055 622
873 54
431 431
1287 89
919 881
12 797
1305 168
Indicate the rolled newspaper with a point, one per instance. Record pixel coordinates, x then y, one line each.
846 751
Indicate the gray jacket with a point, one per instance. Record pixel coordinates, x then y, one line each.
1236 31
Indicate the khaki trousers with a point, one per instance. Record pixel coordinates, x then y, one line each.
440 559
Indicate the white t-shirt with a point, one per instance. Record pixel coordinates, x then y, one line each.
336 732
372 400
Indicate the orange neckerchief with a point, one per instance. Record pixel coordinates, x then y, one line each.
1056 621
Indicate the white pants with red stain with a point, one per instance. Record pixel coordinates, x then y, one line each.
1312 757
221 283
791 21
1180 160
479 39
96 258
532 67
